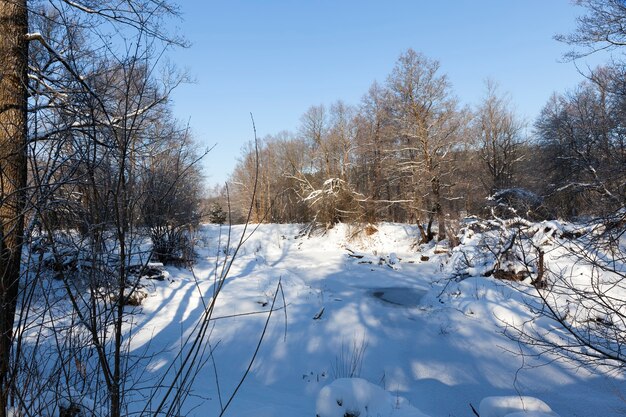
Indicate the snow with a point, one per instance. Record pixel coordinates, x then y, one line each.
531 414
435 343
425 337
358 397
514 406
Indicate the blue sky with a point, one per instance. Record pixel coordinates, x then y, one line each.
278 58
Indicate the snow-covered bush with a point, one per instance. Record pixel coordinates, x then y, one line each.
578 271
502 248
517 202
514 406
335 201
355 397
585 271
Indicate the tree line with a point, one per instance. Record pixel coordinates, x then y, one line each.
410 152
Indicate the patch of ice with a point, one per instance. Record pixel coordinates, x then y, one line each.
400 296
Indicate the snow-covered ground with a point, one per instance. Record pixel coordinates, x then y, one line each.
361 306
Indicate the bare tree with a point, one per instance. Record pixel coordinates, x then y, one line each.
601 29
281 158
170 189
585 309
117 140
498 136
374 160
314 127
582 136
72 96
583 140
429 123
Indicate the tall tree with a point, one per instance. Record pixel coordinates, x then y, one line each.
13 135
429 123
582 133
497 135
373 161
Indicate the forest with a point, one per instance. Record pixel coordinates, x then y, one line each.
122 287
410 153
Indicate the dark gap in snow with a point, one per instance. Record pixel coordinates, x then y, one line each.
400 296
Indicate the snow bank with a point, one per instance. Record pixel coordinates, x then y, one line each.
515 406
358 397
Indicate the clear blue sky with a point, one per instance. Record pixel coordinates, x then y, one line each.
278 58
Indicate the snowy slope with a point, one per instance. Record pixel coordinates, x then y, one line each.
437 344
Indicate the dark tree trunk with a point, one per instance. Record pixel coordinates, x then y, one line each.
13 125
438 209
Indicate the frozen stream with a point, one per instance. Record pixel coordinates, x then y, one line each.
400 296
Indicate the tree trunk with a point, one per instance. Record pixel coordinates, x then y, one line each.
423 237
438 209
13 125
